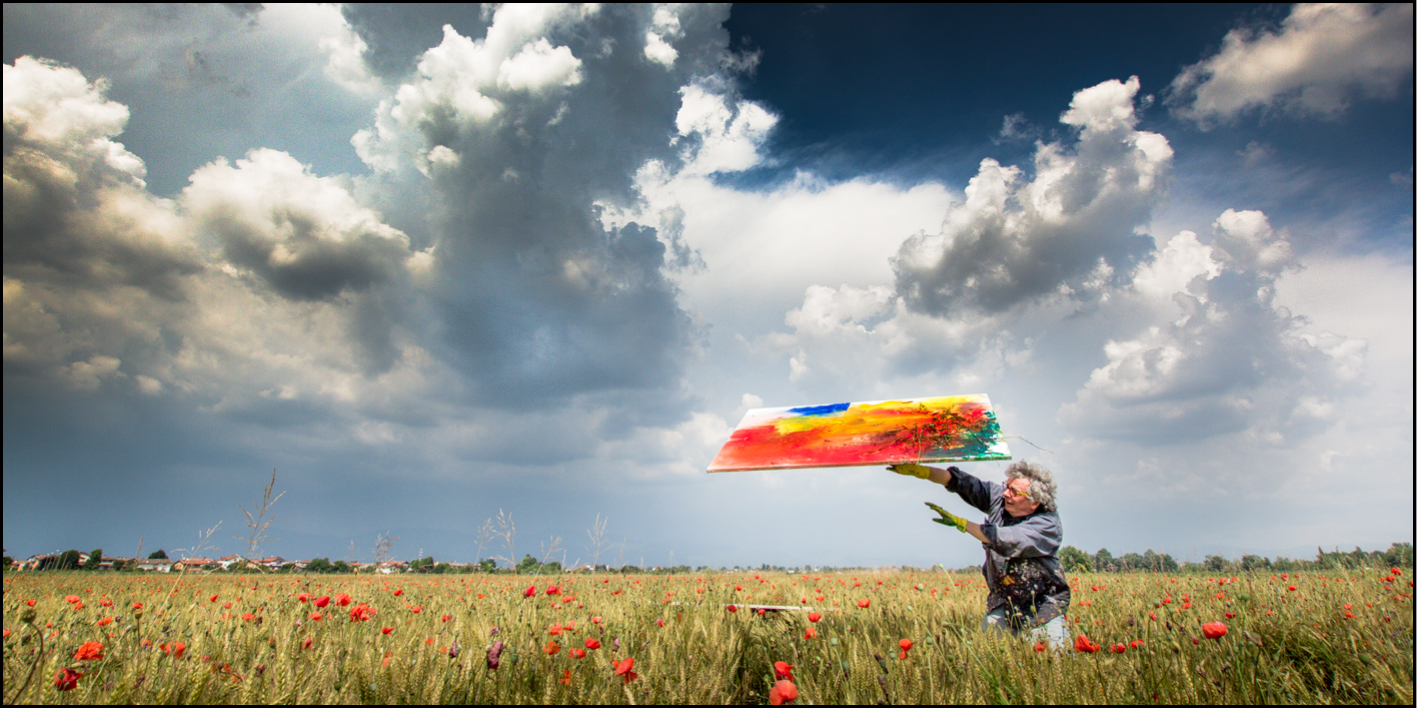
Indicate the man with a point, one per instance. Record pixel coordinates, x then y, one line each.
1027 588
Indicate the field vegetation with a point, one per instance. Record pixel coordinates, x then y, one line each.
897 637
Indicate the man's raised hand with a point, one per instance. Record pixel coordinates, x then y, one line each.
946 518
912 469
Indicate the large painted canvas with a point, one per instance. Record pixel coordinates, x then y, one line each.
944 429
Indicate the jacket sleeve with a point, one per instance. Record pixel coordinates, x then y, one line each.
1036 537
974 491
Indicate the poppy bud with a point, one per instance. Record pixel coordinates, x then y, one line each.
494 656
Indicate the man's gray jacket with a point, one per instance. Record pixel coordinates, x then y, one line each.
1021 557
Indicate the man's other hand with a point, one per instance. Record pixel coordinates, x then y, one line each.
946 518
912 469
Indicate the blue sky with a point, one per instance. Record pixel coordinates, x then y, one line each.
433 263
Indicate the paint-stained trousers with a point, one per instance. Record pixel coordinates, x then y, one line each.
1054 631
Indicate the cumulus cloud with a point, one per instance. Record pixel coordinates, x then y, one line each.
1231 360
726 135
304 235
1072 229
84 241
109 286
1321 56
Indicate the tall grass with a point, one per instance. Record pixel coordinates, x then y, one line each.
1281 645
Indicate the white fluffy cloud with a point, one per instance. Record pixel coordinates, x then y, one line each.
464 82
1320 57
1071 229
1229 360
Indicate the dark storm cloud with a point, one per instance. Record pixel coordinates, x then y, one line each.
525 133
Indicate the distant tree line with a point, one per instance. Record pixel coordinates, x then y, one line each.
1077 560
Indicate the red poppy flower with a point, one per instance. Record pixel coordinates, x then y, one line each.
322 601
783 670
906 644
782 692
565 678
175 649
212 598
447 617
1119 648
811 633
416 609
387 630
1039 647
89 651
624 670
1137 643
552 648
814 616
555 629
303 597
66 679
1083 644
660 622
105 621
1213 630
342 599
529 592
316 616
592 643
863 604
306 644
553 590
398 592
361 613
578 653
732 608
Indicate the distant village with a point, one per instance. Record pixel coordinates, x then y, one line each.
167 565
160 563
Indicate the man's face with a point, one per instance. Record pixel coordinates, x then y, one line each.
1016 501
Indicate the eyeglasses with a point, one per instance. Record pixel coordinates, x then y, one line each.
1011 493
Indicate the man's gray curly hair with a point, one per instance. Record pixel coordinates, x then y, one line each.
1041 487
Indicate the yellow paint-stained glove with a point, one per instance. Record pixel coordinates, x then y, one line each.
946 518
912 469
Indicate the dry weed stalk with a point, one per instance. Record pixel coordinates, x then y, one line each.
258 523
597 539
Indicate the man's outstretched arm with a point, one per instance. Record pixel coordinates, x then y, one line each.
974 491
